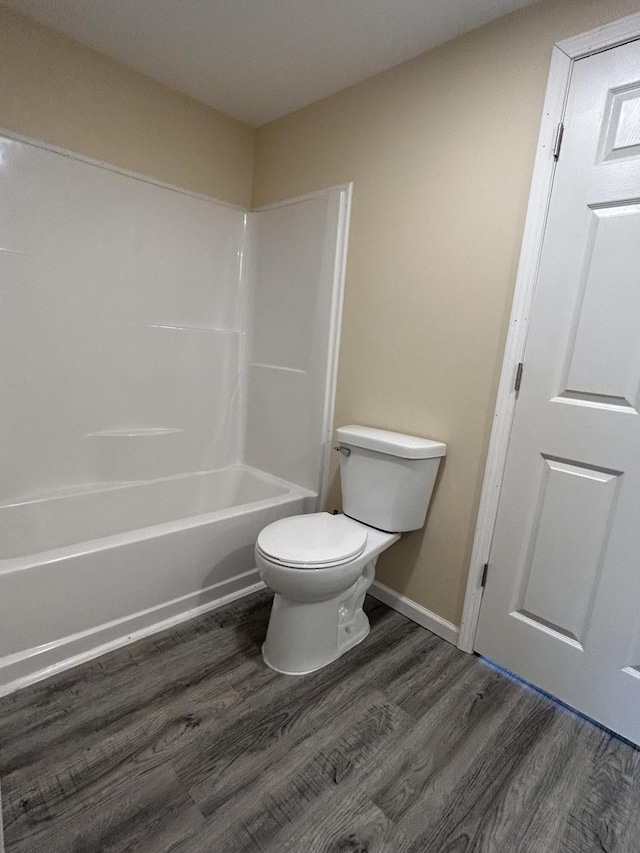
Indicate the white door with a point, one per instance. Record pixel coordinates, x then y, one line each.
561 607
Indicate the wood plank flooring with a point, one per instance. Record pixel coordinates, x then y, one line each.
186 743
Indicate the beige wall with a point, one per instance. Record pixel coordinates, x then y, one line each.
55 89
441 151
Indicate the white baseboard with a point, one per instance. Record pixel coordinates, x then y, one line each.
26 668
431 621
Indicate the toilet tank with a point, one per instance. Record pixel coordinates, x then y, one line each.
387 477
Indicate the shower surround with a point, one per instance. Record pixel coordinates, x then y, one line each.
168 365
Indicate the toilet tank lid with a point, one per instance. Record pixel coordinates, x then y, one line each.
391 443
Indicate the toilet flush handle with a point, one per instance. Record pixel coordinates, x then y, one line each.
346 451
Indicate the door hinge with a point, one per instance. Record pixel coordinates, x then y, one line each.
518 382
557 145
485 569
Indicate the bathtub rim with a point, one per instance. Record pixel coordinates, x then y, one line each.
150 531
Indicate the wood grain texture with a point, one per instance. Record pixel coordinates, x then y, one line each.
186 743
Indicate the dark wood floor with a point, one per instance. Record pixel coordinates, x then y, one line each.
186 742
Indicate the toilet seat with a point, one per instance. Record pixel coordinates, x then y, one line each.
318 540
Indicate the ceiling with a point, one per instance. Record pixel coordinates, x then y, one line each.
260 59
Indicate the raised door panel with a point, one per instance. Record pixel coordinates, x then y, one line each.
603 364
621 131
569 536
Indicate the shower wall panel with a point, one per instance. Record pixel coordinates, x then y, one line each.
120 326
297 257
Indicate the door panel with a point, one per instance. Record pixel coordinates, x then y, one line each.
607 311
569 537
562 603
621 127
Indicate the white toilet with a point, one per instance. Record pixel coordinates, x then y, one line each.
320 565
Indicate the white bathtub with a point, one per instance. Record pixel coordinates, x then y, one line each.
85 572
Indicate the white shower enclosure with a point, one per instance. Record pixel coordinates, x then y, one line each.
168 370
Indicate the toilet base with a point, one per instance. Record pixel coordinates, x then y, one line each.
342 651
303 637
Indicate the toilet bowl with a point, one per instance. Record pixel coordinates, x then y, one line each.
320 566
317 610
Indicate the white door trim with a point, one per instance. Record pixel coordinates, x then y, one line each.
565 53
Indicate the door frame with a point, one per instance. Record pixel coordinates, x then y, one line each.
565 54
